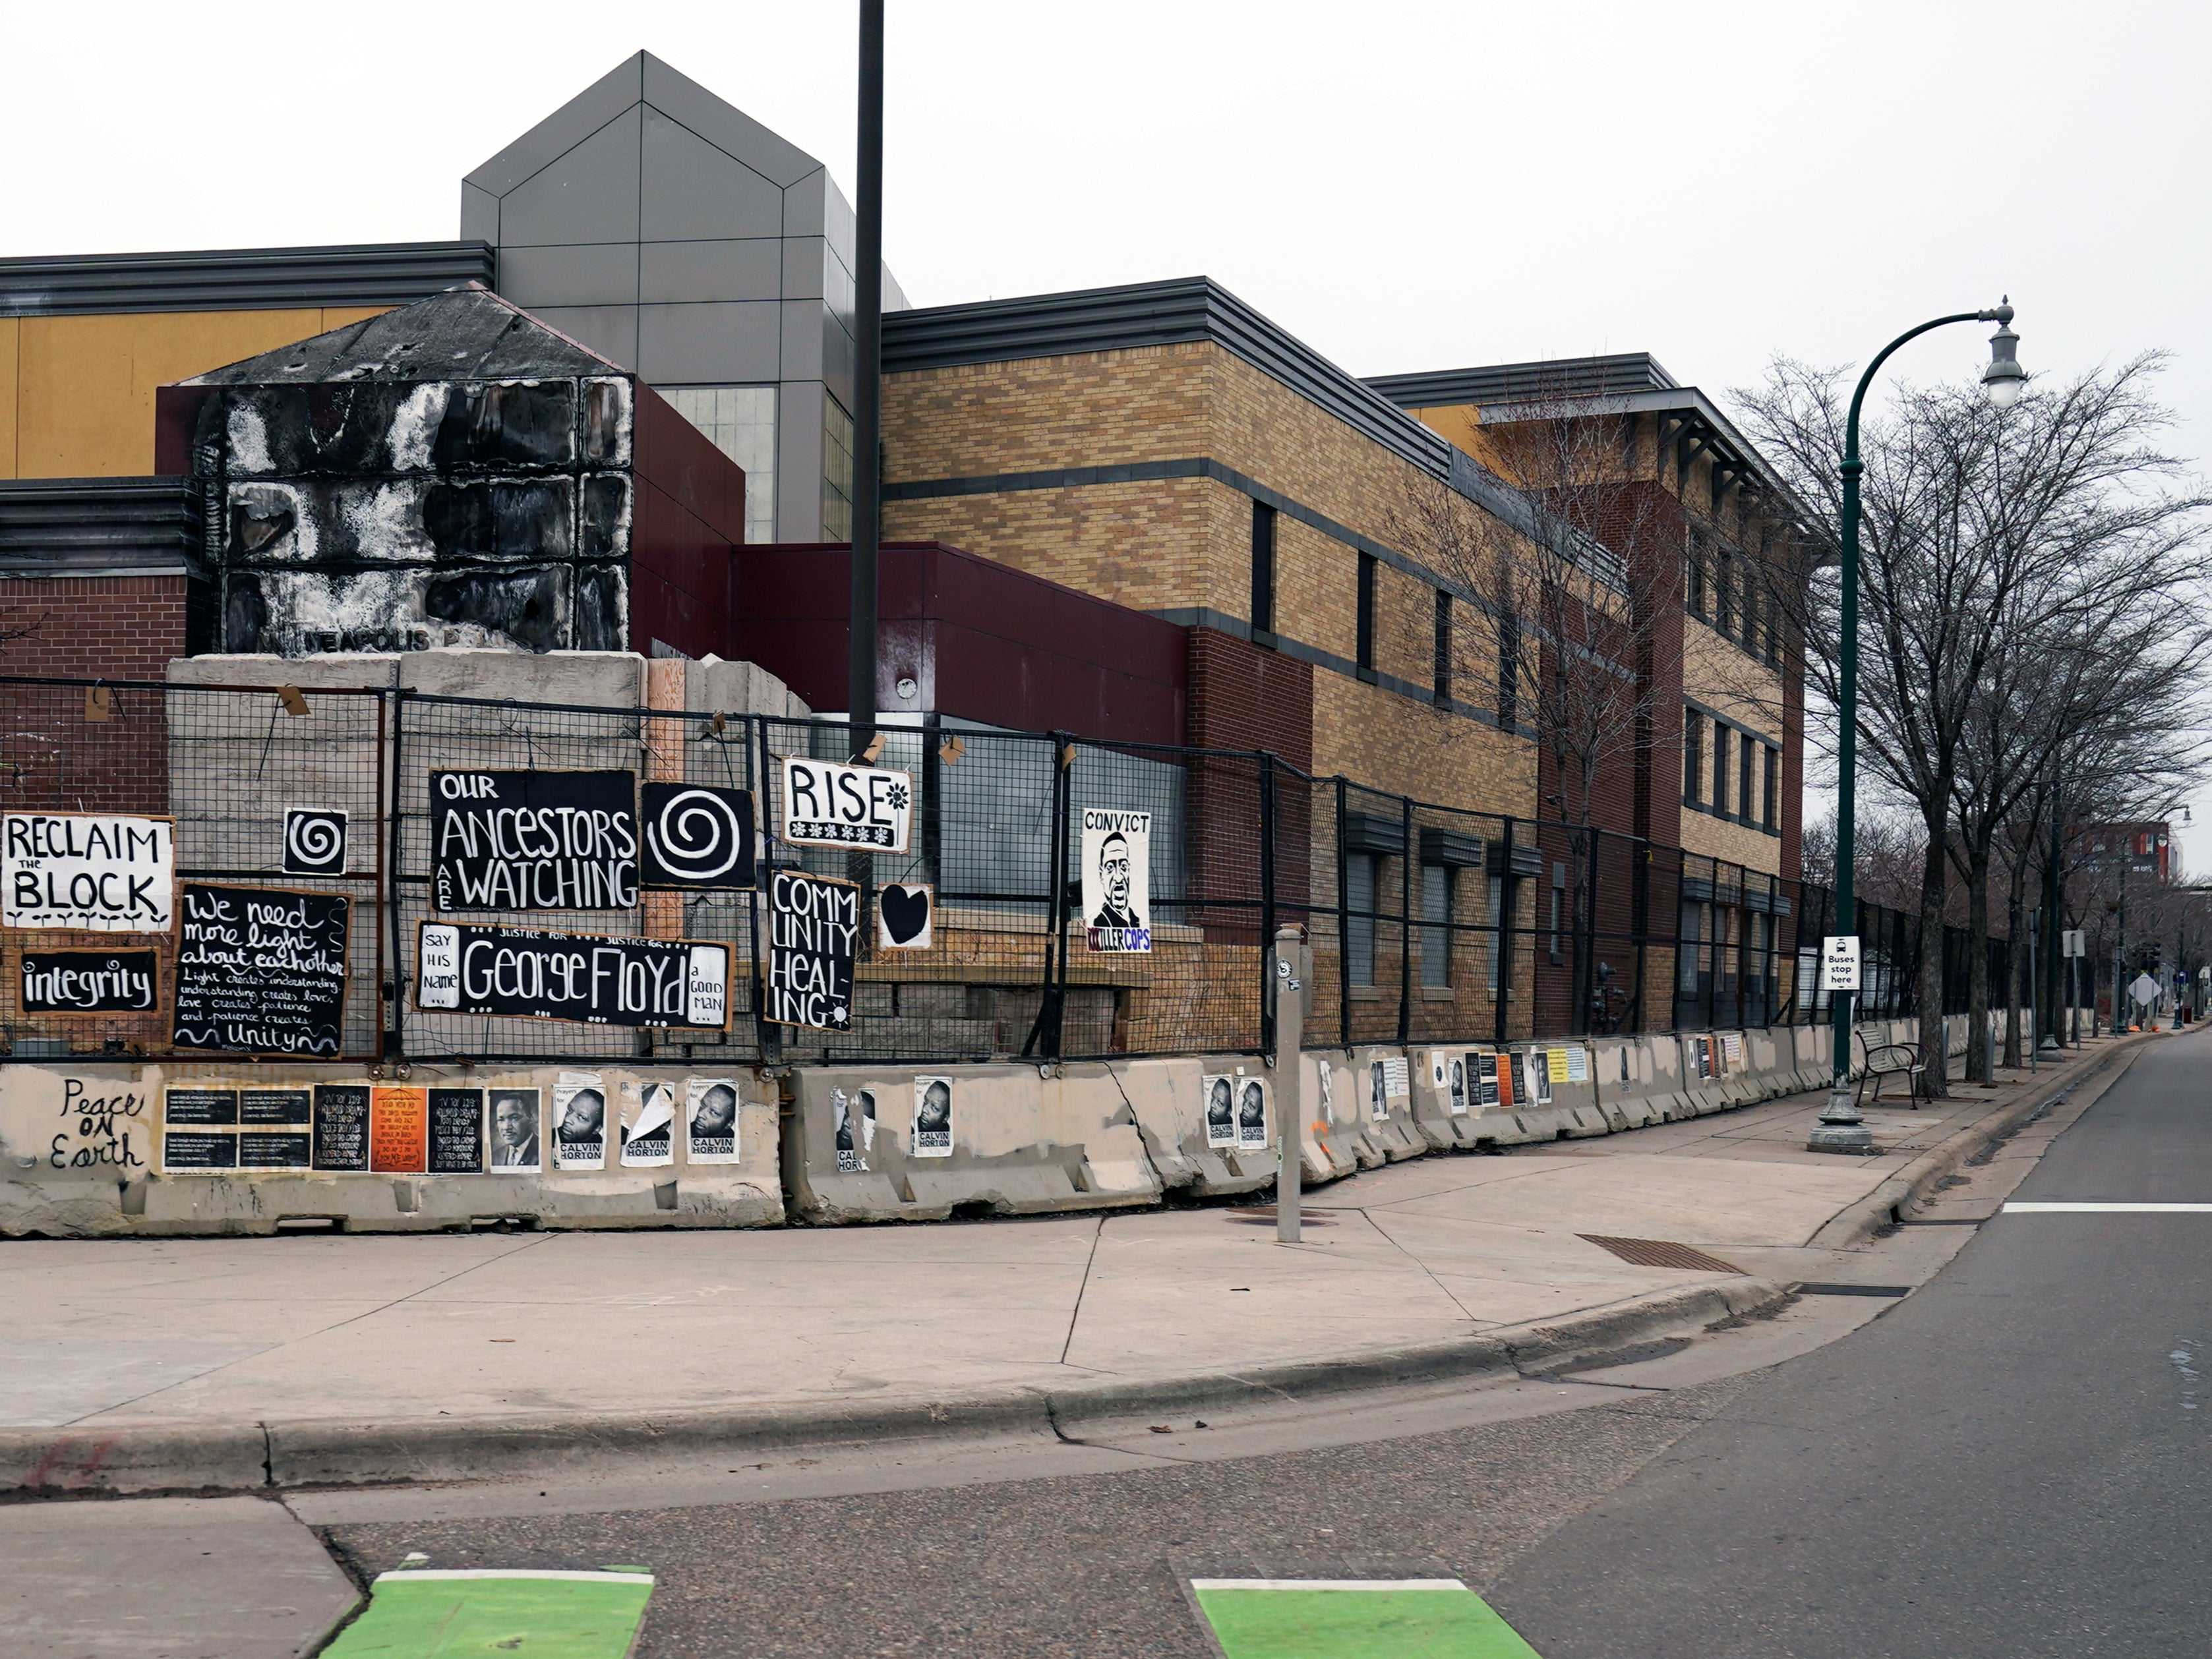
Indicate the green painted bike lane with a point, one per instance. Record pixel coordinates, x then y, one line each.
428 1613
1353 1618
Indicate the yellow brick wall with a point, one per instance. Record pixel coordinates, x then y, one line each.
77 393
1391 742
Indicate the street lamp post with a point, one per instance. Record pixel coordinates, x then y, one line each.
1841 1129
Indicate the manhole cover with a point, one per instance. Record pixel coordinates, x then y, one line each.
1661 1253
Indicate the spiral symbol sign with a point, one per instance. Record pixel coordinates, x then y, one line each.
697 836
314 841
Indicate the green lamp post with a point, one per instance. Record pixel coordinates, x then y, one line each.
1841 1129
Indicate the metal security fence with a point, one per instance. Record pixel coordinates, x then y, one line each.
1430 923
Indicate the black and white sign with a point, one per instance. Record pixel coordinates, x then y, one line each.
191 1152
580 1120
314 841
91 872
1840 962
1117 866
273 1131
533 840
90 982
828 804
1252 1115
1219 1094
515 1132
342 1126
457 1131
814 930
698 837
933 1117
710 1121
649 1128
261 971
906 916
530 974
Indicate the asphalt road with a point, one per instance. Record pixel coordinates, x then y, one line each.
2014 1461
2006 1464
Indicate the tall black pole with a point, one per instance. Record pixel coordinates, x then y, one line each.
867 383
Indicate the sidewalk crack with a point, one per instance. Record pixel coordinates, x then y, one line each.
1075 1312
1426 1268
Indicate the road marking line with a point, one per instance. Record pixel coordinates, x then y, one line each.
2108 1210
1328 1583
416 1575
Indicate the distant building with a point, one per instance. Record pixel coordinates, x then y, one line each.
2143 849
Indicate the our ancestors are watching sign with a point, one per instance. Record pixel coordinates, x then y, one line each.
525 973
533 840
89 872
814 931
829 804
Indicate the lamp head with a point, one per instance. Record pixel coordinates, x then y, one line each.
2004 379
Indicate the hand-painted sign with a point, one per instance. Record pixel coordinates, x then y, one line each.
529 974
261 971
91 872
827 804
814 930
698 837
533 840
904 916
90 982
314 841
1117 860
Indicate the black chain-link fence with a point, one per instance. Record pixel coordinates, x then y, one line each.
1430 923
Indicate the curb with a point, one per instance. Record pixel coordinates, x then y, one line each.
1859 1222
264 1457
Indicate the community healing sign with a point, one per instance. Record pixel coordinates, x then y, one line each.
524 973
827 804
261 971
533 840
1117 861
89 871
814 931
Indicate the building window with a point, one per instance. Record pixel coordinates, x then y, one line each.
1720 768
1693 580
1559 912
1693 757
1770 810
1745 778
1263 569
1497 920
1436 916
1359 921
1365 644
1773 630
1444 654
836 473
1509 673
1724 593
740 421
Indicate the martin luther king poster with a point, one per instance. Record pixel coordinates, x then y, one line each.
1117 879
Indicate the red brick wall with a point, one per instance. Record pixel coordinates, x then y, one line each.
1246 699
93 628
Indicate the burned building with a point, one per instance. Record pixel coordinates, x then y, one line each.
451 473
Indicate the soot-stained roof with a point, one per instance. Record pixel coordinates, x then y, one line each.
466 333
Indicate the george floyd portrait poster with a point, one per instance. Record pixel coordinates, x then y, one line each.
1117 878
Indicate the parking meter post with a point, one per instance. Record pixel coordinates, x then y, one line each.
1293 975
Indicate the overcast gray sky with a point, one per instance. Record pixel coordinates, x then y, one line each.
1404 185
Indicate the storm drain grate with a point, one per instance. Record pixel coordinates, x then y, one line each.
1661 1253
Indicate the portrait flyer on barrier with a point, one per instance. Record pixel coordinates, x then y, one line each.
533 840
527 973
698 837
580 1120
515 1139
261 971
827 803
710 1121
814 931
1117 877
853 1114
933 1117
1252 1115
87 872
1219 1094
648 1126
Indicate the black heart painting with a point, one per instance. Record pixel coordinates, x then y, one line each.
906 912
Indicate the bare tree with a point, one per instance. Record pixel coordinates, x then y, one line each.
2006 559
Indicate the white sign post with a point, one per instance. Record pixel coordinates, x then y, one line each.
1840 962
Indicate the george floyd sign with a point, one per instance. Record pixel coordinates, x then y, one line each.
527 973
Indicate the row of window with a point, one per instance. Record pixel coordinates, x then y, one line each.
1439 902
1726 590
1744 771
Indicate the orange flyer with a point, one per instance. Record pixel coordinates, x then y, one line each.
399 1131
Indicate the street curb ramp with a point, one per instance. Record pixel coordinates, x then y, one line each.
285 1457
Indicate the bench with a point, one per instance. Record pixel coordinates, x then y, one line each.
1880 1062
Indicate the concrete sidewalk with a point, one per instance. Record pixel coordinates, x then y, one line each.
182 1364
